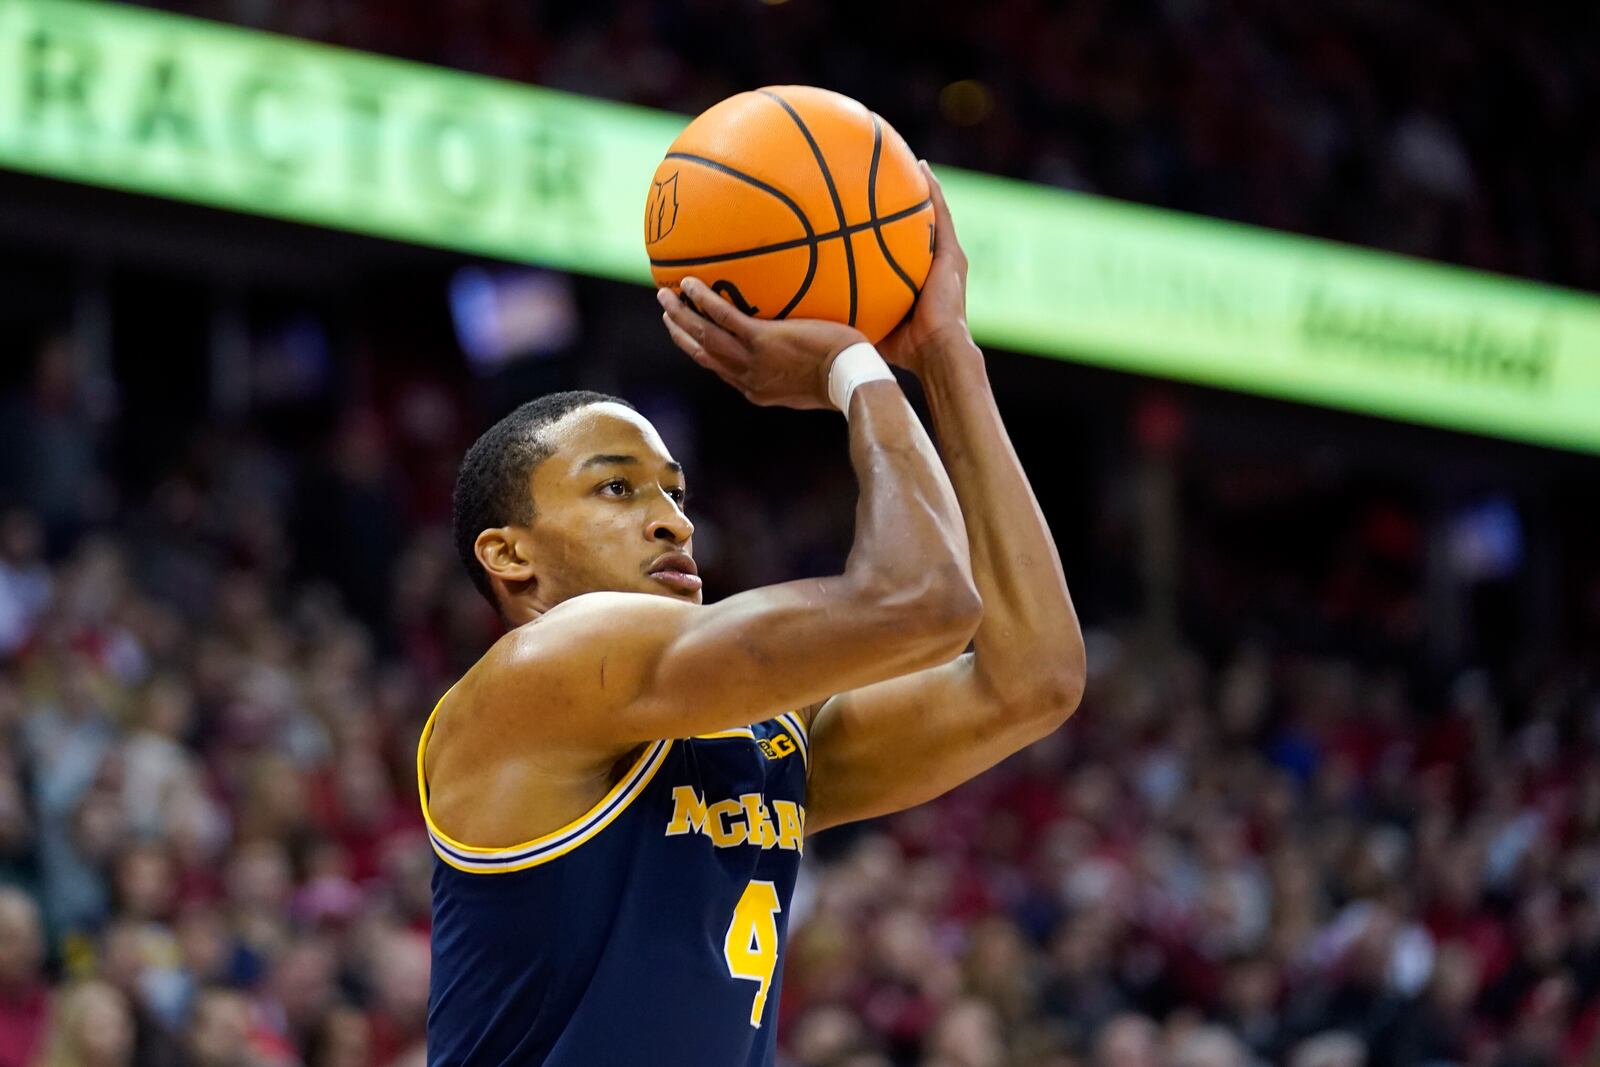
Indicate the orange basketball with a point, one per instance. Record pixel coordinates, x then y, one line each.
797 202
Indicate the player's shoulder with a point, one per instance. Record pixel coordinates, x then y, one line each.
568 642
605 606
607 616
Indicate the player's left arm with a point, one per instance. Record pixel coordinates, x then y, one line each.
901 742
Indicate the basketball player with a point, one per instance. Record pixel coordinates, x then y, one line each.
619 790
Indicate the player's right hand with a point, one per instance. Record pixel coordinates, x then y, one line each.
783 363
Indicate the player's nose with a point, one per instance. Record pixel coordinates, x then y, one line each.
670 524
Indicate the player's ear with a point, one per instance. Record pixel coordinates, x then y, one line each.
505 553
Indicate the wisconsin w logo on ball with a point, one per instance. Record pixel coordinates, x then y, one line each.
661 213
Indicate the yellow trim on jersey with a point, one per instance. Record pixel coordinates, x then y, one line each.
789 720
799 722
474 859
792 722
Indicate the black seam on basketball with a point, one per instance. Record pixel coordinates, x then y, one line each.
810 239
833 191
798 242
872 206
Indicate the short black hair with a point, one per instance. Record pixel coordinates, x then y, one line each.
492 487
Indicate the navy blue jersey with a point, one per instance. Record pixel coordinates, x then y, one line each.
649 931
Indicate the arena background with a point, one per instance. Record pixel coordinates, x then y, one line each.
1333 797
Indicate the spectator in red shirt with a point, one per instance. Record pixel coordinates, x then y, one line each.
24 996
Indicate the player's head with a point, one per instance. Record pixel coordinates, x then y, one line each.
572 493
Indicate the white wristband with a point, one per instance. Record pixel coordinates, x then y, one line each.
854 366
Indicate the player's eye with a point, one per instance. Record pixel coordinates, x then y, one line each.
679 495
616 487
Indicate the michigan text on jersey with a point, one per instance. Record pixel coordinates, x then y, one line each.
746 820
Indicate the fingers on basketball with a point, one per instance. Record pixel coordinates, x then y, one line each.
685 340
714 307
945 241
707 343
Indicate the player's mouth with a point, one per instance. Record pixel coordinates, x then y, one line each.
677 571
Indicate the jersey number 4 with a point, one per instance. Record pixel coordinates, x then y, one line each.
751 947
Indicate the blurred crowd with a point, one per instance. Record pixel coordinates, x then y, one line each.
1279 860
1455 130
211 855
210 851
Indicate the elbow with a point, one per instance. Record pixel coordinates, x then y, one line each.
956 611
948 615
1047 701
1058 698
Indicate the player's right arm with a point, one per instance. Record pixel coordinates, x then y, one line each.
605 671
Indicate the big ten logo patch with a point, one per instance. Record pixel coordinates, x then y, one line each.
777 746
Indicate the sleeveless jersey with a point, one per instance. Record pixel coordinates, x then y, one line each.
646 933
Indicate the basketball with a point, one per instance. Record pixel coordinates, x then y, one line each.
793 201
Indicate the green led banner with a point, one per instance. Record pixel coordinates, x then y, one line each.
154 103
1183 297
197 111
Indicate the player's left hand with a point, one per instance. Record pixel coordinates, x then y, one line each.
940 313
